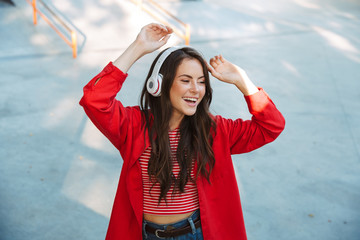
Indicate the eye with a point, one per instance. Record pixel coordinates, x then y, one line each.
201 81
185 80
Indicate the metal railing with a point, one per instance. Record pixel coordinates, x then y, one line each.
72 42
177 31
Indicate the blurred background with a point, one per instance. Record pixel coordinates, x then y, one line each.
58 174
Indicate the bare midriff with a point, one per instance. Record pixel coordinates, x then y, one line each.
166 219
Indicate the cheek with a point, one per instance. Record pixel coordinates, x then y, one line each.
172 101
202 92
175 97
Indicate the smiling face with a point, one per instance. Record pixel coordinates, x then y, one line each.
187 90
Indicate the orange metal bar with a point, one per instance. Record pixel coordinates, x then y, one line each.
187 34
72 43
34 11
55 16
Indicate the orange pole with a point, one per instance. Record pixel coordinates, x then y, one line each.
74 45
187 34
34 10
54 27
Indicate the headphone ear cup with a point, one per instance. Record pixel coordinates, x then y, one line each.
153 85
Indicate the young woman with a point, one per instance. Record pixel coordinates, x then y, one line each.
177 179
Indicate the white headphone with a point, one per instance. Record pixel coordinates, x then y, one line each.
153 84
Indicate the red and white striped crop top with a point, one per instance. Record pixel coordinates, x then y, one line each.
178 203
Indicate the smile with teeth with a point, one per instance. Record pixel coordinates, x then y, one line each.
190 100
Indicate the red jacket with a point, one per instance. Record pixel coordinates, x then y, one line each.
220 207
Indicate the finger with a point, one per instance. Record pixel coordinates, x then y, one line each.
221 58
157 30
208 67
213 62
162 28
169 29
153 26
156 27
217 60
214 73
165 39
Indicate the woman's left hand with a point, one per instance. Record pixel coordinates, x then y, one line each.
228 72
224 70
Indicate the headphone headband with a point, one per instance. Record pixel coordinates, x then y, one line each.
162 59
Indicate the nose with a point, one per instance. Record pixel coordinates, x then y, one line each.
194 87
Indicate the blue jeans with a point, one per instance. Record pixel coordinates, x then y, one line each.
196 233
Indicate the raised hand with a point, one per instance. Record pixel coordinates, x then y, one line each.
224 70
228 72
150 38
153 36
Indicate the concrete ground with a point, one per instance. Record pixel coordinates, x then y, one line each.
58 174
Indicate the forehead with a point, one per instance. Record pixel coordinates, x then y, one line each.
190 66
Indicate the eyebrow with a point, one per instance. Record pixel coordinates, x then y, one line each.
186 75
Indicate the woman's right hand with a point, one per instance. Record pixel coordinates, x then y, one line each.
150 38
153 36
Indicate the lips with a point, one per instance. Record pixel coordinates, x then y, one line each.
191 101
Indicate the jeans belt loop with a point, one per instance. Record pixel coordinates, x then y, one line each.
193 228
157 233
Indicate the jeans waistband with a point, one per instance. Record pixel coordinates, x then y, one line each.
187 221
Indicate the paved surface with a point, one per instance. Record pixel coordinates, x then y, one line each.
58 175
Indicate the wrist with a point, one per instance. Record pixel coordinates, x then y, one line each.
247 91
136 49
245 85
129 57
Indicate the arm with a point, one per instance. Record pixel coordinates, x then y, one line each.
98 101
266 123
150 38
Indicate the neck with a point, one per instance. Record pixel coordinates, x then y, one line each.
175 121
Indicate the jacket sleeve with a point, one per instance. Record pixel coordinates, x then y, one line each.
100 105
264 127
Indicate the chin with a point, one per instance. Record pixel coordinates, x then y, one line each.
190 113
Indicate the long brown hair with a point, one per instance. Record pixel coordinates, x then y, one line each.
196 131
